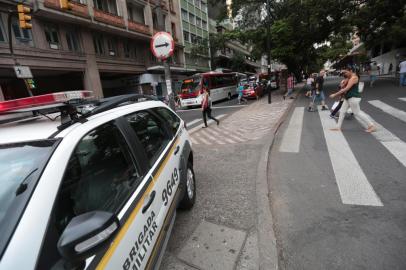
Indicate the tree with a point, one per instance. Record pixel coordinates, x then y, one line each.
304 33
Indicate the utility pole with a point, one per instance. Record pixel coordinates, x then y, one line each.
268 45
167 70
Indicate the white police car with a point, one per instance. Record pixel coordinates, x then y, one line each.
91 185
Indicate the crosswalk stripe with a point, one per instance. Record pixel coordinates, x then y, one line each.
401 115
395 146
208 132
201 138
188 124
194 140
293 133
227 133
199 127
218 137
403 98
352 183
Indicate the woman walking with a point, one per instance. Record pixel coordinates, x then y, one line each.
352 98
206 108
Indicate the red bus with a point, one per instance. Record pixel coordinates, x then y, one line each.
220 85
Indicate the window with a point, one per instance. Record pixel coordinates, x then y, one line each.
2 32
112 46
171 7
155 21
198 21
73 41
173 29
51 34
193 38
136 13
186 36
21 35
204 24
204 6
192 18
184 15
151 133
198 3
130 51
101 175
170 118
109 6
98 43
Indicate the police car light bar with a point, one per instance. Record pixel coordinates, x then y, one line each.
32 103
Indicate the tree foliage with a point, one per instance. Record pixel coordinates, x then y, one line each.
304 33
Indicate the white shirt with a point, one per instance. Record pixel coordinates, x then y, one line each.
402 67
309 81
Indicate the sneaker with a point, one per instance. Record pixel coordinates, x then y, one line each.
218 122
324 108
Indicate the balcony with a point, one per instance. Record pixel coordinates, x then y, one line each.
138 27
163 4
77 8
108 18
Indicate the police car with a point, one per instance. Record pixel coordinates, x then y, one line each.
89 184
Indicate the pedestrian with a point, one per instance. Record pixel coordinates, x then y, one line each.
290 85
373 73
402 73
309 85
352 99
390 69
206 108
240 90
318 93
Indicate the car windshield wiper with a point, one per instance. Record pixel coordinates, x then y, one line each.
24 184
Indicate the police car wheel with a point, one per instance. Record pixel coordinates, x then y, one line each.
189 196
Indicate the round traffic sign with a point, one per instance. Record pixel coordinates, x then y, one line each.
162 45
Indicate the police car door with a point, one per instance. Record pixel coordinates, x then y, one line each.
141 243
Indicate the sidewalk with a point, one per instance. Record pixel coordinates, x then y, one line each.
230 226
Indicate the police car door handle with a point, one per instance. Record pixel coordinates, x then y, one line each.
150 200
177 149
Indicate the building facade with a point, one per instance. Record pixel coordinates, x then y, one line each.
98 45
223 58
195 30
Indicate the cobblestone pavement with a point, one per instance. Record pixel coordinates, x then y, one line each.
248 124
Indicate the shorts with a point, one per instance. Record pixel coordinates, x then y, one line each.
319 97
373 77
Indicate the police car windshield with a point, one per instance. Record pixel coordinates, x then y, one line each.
20 166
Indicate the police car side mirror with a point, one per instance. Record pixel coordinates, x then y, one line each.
86 234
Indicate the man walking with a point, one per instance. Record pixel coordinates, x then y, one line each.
402 73
373 73
318 94
290 85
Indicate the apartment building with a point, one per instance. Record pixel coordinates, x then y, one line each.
223 57
98 45
195 29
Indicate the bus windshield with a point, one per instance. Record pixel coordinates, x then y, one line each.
190 85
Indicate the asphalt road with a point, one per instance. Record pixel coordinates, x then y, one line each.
224 107
339 201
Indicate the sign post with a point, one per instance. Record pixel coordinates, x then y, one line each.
162 47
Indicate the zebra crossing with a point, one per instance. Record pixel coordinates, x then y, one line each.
248 124
353 185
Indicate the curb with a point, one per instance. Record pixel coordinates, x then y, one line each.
267 243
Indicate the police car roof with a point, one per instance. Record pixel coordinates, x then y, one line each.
41 127
28 129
